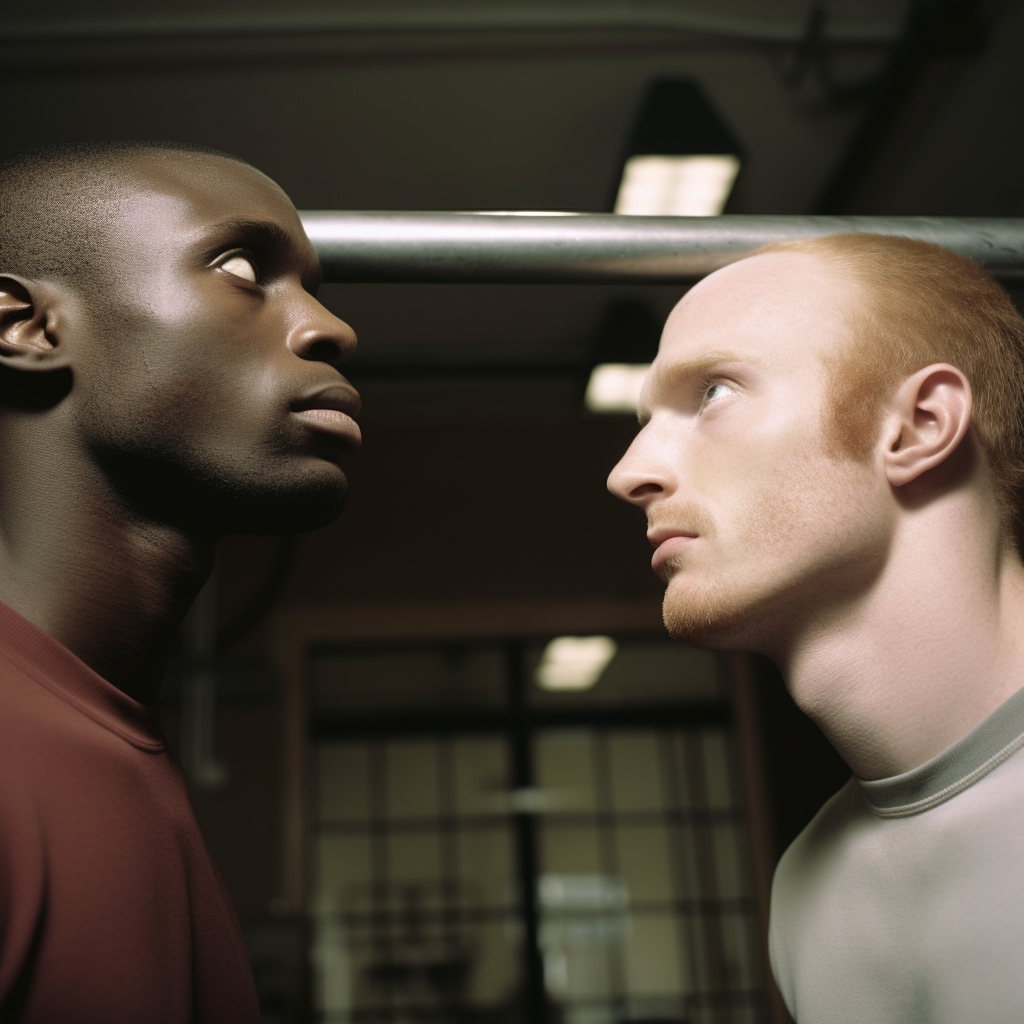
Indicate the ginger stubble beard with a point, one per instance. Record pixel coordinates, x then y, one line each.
793 548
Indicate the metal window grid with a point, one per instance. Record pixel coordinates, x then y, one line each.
714 931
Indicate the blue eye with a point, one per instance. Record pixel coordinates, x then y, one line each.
715 390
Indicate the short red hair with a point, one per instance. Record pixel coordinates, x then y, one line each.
928 305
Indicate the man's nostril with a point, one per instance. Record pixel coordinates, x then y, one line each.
644 490
323 351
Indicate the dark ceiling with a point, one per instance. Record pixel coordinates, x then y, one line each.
467 106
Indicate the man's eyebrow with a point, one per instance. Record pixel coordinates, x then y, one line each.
667 377
263 233
687 369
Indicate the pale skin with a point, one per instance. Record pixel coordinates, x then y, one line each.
884 588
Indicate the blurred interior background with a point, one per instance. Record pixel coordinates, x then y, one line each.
420 816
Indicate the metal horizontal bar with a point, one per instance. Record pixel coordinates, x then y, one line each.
500 248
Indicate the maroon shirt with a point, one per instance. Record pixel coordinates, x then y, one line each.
111 910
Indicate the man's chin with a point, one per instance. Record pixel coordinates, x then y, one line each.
291 504
214 498
706 616
293 511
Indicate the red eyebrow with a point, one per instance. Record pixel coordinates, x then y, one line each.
671 375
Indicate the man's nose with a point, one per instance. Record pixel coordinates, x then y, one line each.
638 478
322 337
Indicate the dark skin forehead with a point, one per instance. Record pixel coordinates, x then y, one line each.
190 204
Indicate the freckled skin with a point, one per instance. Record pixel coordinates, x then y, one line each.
180 424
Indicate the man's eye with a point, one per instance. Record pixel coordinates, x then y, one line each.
240 267
716 390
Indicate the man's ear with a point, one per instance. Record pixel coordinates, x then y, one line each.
929 415
27 337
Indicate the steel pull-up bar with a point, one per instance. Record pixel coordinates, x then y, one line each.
504 248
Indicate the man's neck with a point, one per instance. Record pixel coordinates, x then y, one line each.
109 587
933 649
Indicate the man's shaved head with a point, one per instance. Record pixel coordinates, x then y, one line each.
159 310
54 201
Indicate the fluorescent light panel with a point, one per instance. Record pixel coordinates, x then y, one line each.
677 186
615 387
574 662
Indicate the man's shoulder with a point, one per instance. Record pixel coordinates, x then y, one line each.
24 701
805 873
849 842
59 753
816 849
869 909
30 710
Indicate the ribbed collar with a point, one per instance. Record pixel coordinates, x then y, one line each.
53 666
982 750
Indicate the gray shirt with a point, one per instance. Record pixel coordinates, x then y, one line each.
903 900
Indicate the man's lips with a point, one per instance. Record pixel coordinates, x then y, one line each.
668 543
332 410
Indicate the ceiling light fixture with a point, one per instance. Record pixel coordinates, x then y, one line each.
574 662
624 345
615 387
681 159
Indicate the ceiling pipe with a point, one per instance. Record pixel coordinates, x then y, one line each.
607 248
